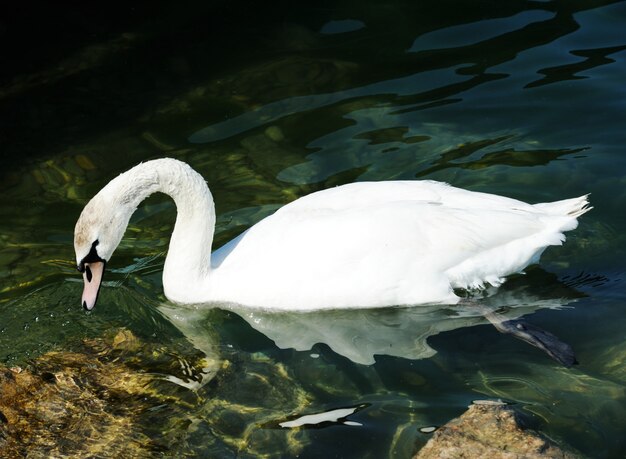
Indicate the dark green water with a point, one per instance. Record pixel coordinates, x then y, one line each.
269 103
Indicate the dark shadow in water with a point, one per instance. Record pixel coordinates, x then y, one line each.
57 89
394 134
504 157
481 56
592 58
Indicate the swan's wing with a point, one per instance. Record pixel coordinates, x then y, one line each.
376 244
419 216
370 194
402 252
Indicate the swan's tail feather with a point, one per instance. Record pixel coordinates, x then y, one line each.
574 207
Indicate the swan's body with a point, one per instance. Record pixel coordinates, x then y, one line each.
361 245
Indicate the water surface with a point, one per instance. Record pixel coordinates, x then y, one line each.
270 103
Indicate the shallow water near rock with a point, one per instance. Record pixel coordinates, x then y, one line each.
270 103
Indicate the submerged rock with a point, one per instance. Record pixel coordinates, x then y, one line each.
114 396
79 404
493 430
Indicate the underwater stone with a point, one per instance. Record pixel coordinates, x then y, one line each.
68 404
275 133
490 430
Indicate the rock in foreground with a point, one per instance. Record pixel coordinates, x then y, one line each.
79 404
492 430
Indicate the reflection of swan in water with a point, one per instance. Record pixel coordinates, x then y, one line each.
362 334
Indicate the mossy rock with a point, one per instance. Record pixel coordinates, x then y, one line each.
494 430
113 396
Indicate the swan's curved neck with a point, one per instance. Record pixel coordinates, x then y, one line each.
188 260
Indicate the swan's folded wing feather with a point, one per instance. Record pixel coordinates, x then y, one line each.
391 252
373 194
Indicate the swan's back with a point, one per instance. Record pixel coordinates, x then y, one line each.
386 243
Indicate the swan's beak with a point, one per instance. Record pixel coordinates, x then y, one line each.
92 275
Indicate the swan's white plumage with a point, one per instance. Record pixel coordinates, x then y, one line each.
360 245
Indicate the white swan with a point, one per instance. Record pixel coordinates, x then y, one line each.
360 245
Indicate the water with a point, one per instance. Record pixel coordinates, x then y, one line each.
271 103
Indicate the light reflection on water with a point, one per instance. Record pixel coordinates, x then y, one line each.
532 107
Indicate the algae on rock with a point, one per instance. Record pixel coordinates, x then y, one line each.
493 430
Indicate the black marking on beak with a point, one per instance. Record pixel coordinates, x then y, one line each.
85 306
91 257
89 275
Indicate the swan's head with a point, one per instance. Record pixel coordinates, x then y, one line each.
97 234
